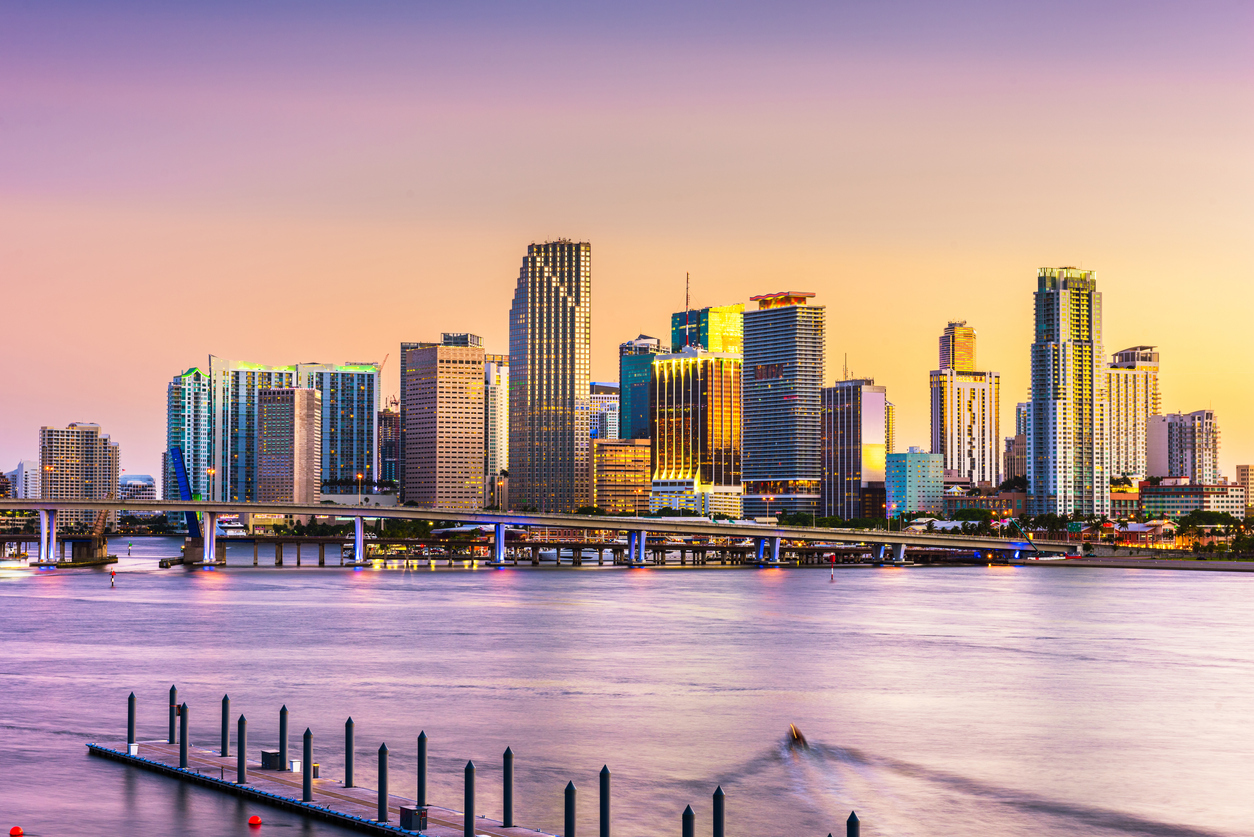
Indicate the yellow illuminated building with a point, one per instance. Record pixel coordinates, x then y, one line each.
621 475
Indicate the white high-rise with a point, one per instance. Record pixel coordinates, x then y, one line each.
24 480
1132 387
1068 436
966 409
495 430
1184 445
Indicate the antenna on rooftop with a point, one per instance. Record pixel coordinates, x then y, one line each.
846 370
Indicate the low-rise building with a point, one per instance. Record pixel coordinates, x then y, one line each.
1125 504
1001 504
622 475
1174 498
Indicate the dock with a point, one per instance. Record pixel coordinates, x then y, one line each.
353 807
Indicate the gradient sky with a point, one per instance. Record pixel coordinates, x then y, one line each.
282 182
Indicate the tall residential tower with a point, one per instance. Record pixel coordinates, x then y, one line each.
1068 441
966 409
1132 384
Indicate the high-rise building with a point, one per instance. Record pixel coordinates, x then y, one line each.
495 431
444 415
289 446
1184 445
390 444
604 401
6 487
350 423
78 463
1132 389
24 481
188 422
622 475
635 371
696 431
1015 457
915 483
783 457
1068 439
718 328
855 433
140 487
1245 478
550 347
966 409
350 404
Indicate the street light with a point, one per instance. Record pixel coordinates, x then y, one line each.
211 472
359 489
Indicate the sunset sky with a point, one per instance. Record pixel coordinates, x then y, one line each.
281 182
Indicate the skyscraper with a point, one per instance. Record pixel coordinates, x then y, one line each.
289 446
1132 384
444 415
1184 445
696 432
24 480
855 433
966 409
784 345
390 443
550 345
350 422
604 403
188 419
621 475
233 424
495 430
140 487
78 463
635 370
715 329
1068 441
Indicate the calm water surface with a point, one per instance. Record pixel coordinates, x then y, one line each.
988 701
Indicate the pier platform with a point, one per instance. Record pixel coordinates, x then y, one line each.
354 807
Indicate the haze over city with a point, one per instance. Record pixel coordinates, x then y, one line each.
317 184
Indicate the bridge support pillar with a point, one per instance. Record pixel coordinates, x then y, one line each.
877 552
642 541
359 539
211 537
761 549
899 553
775 550
498 543
631 546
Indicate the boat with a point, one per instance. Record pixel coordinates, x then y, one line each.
796 740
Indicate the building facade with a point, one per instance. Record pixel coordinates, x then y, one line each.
914 483
390 444
635 371
550 347
141 487
444 433
718 329
696 431
855 434
289 446
966 409
1132 389
1184 445
1068 434
622 475
1245 479
350 423
188 423
78 462
604 400
495 431
1175 497
783 384
24 480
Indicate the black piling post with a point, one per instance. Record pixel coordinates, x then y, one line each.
174 710
571 793
241 745
422 769
348 753
306 768
383 782
283 738
130 721
226 726
853 828
183 736
468 814
689 823
507 820
605 800
720 812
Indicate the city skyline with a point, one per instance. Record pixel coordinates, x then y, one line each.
357 231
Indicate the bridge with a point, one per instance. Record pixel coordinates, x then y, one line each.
885 545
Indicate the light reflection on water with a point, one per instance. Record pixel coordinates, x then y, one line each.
952 701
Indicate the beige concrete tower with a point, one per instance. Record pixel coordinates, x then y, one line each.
289 446
444 413
78 463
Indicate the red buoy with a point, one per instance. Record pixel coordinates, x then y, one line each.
254 820
16 831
